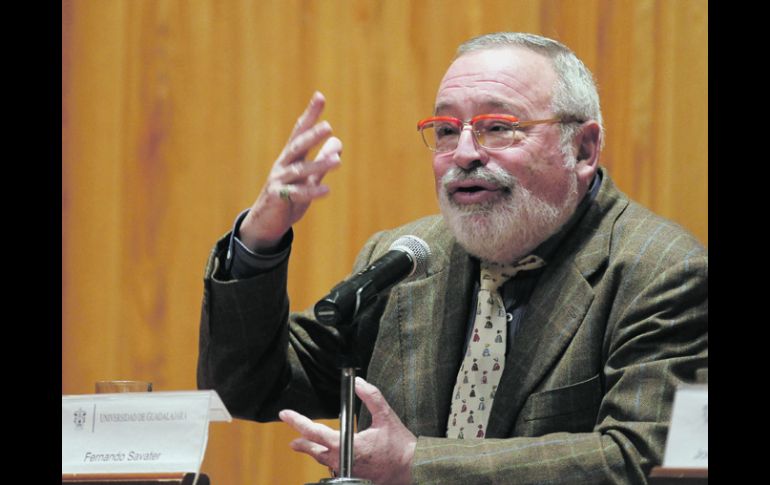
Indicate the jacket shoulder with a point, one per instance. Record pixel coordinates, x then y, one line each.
626 232
643 236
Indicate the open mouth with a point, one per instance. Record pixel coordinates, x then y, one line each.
472 187
475 191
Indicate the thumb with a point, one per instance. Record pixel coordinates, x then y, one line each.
374 401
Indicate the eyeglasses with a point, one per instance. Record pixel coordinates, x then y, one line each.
493 132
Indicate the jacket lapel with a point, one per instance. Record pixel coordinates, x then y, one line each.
431 338
556 309
420 341
554 313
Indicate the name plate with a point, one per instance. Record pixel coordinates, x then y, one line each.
688 443
141 432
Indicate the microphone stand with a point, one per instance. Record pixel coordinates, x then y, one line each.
406 256
347 363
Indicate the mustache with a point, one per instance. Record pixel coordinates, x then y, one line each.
496 176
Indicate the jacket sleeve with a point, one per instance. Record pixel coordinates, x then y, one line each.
654 340
257 355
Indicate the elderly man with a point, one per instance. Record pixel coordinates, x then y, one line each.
562 371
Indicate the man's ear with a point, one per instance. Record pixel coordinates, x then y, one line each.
589 142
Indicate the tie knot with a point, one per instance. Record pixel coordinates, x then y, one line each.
493 275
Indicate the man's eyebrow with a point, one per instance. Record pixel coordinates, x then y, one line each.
441 107
500 105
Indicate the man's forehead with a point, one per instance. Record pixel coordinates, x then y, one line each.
486 104
510 61
480 73
506 79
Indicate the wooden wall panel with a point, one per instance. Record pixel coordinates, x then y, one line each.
173 112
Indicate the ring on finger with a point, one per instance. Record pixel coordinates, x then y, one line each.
285 193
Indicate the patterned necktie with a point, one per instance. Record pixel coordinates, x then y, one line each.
484 361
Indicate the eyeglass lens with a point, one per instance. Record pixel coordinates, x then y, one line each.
443 136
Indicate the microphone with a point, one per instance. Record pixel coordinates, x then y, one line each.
408 255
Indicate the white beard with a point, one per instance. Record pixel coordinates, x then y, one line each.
506 229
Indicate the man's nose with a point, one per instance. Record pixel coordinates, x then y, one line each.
468 153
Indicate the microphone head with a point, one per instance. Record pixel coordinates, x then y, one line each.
417 249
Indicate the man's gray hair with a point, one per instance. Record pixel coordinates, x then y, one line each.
575 94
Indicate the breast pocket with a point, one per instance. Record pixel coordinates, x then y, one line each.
569 409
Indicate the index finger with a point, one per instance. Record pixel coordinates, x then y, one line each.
308 117
315 432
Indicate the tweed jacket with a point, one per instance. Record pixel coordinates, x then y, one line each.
617 319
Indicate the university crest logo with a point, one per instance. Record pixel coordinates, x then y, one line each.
79 418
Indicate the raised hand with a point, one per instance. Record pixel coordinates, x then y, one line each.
293 182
